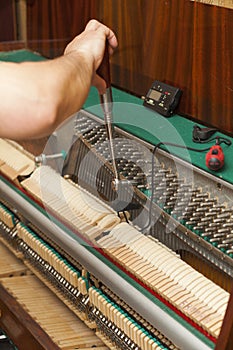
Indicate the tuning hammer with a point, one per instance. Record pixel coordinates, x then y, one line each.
106 101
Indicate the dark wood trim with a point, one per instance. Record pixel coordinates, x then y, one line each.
225 339
20 327
8 26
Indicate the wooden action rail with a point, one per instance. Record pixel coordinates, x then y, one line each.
20 326
14 320
33 317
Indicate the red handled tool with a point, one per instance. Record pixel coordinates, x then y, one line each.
215 158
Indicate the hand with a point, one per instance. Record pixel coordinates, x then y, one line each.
91 42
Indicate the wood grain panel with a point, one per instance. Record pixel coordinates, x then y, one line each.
184 43
126 18
51 24
212 75
7 21
12 45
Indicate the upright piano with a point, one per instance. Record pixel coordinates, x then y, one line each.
144 265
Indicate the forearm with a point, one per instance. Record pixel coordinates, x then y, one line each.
75 72
37 97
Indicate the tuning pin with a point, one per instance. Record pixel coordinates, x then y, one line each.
42 158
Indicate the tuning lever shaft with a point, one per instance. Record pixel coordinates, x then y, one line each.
106 101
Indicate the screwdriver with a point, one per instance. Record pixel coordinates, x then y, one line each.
106 101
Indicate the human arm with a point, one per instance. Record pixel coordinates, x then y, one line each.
36 97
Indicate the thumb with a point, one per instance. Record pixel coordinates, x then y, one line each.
99 83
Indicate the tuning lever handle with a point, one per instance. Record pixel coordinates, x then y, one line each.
104 69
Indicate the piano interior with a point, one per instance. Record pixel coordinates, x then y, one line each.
146 265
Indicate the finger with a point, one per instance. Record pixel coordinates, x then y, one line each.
109 34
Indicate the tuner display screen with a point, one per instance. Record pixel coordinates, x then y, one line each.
162 98
155 95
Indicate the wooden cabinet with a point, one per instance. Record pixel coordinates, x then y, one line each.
8 31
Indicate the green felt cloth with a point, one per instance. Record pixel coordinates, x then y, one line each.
20 56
